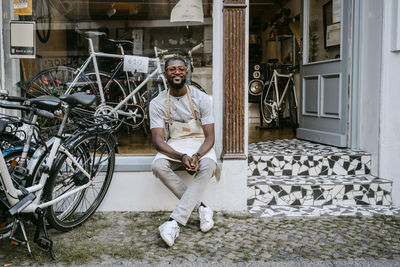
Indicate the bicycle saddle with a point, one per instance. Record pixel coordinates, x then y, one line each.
49 103
79 98
120 41
90 34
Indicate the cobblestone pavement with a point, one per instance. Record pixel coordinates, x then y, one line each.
236 240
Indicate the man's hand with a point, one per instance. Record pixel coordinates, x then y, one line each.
187 162
193 166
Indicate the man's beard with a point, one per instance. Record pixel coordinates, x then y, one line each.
177 86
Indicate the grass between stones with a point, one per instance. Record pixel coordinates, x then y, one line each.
235 238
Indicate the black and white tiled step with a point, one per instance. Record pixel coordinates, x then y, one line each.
319 190
298 178
315 211
291 157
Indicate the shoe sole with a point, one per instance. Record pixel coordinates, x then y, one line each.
207 229
165 239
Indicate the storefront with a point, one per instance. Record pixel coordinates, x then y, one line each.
147 24
243 41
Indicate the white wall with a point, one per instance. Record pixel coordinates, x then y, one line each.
369 64
141 191
11 66
389 139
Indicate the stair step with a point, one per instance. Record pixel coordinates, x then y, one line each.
290 165
318 191
290 157
297 147
315 211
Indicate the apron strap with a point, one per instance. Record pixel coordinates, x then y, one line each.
190 103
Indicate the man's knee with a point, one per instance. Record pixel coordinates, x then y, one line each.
207 166
160 166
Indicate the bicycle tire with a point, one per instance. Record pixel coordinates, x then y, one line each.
65 216
293 109
268 98
43 16
113 91
54 81
197 86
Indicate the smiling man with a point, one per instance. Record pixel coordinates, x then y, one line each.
182 128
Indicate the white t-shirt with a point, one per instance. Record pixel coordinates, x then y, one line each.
180 108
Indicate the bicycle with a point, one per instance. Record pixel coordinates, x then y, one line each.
66 178
273 97
130 106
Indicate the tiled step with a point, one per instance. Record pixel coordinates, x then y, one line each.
318 191
291 157
315 211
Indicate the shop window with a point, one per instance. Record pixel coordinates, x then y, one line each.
146 23
324 30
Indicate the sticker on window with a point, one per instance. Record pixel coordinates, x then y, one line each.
136 64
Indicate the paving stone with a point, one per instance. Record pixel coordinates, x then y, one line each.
237 238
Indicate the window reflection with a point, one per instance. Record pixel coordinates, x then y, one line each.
145 23
324 30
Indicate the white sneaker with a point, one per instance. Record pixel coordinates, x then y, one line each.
169 231
206 220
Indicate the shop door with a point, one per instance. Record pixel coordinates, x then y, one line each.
325 72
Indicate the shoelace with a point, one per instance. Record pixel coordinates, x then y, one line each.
173 233
204 216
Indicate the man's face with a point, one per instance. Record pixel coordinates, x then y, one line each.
176 72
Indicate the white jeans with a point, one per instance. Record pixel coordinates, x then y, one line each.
189 196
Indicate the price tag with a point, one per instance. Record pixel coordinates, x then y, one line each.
136 64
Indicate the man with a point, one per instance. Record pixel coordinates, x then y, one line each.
184 115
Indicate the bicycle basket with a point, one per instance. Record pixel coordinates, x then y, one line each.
11 133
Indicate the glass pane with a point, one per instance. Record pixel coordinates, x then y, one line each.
323 29
144 23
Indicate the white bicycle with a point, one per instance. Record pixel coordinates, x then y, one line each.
129 104
65 179
273 99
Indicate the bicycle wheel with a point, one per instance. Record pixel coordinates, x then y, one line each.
95 153
268 105
43 20
293 109
55 81
197 86
113 91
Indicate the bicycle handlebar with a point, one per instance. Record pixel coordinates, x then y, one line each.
39 112
16 99
197 47
161 52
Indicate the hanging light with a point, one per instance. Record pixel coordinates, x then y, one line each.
188 11
111 11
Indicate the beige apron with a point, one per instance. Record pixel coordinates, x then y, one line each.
187 137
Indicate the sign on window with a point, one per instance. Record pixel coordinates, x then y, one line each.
22 39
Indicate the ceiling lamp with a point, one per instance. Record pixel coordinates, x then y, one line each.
187 11
111 11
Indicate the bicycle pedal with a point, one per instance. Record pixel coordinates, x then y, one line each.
17 242
20 205
44 244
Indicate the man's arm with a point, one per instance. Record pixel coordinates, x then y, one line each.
162 147
208 130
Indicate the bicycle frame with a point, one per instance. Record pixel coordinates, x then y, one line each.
93 58
13 193
274 80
